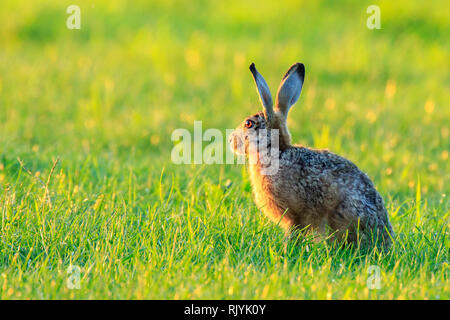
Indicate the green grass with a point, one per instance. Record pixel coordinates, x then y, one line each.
105 100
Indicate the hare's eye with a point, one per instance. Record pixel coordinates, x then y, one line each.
249 124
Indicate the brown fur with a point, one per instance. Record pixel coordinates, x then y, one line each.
314 189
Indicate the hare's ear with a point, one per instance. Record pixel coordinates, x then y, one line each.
264 93
290 88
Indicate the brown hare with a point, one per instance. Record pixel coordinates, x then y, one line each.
315 190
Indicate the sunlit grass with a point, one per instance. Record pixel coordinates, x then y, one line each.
105 100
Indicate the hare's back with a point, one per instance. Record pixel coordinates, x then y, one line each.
330 173
318 161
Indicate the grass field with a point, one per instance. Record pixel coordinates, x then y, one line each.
105 99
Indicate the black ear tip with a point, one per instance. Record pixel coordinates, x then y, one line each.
253 70
301 69
296 67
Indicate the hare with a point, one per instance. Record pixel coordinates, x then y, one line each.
310 189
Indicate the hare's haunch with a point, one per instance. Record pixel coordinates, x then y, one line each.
307 188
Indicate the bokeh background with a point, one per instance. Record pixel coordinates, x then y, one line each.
106 98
